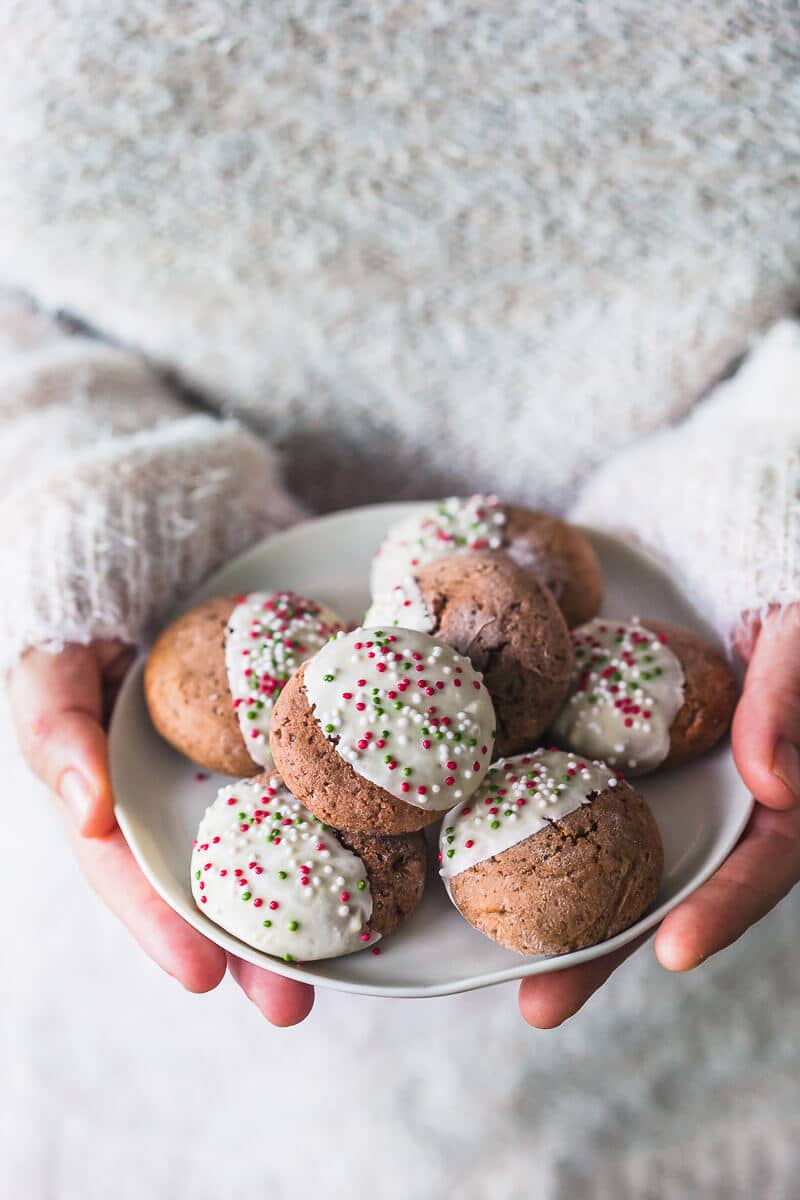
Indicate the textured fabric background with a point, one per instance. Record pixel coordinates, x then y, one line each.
115 1082
468 227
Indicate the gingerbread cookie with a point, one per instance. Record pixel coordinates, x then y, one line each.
509 626
214 674
266 870
381 731
556 553
552 853
644 695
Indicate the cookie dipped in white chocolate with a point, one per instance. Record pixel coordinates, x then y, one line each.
266 870
269 635
627 688
448 527
407 712
518 797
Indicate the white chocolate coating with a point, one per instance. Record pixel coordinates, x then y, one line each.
269 635
627 688
407 712
265 869
403 606
518 797
450 526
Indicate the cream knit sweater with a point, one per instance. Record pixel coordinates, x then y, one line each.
417 248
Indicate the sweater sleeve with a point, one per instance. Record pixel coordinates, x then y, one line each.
717 497
116 498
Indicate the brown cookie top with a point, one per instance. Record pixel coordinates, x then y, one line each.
324 781
510 627
396 871
575 883
560 556
644 694
187 692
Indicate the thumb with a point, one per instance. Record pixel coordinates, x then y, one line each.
56 701
766 728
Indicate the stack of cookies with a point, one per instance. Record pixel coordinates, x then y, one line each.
482 692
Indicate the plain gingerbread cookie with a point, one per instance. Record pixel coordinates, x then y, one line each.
552 854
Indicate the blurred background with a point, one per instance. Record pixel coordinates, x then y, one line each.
114 1082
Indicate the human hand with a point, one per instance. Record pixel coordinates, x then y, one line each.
765 865
60 703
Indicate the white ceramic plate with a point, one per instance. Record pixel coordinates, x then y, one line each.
701 809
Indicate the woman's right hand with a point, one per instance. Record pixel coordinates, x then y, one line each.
60 703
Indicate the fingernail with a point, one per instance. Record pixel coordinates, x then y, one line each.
786 765
74 791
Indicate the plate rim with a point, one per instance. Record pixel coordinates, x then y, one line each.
526 968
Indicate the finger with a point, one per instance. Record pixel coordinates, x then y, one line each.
766 727
165 937
282 1001
759 873
546 1001
56 700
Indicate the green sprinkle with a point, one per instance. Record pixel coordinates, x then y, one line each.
424 729
197 874
329 728
472 741
385 733
495 824
450 853
508 812
458 736
450 829
361 885
439 735
328 678
241 816
294 925
322 827
246 895
387 758
282 875
251 716
288 958
398 704
406 771
267 923
450 837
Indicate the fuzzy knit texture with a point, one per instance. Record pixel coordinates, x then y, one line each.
345 252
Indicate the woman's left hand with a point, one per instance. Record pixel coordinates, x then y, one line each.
765 865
